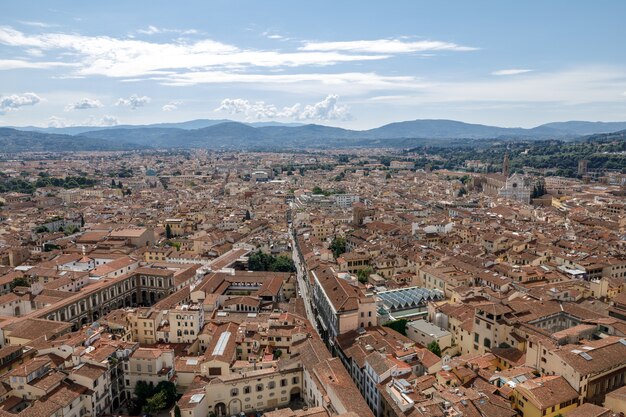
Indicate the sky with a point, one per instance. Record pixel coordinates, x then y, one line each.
354 64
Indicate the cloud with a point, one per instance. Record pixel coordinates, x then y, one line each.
15 101
513 71
385 46
107 120
82 104
273 35
133 101
363 80
10 64
171 106
153 30
37 24
114 57
327 109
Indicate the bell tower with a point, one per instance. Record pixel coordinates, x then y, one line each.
505 165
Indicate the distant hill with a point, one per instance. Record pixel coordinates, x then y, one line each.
226 134
586 128
453 129
188 125
15 141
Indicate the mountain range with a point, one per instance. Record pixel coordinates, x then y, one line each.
227 134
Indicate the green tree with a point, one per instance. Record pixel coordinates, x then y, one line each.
277 354
155 403
282 264
19 282
169 388
144 390
434 348
41 229
397 325
259 261
364 274
177 411
248 215
168 231
338 246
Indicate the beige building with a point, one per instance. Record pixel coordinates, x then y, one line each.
150 365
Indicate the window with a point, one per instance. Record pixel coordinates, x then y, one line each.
283 382
234 392
246 390
271 385
259 387
294 380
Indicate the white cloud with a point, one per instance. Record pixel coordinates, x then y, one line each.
570 87
15 101
327 109
275 36
153 30
133 101
171 106
362 80
107 120
385 46
82 104
37 24
57 122
10 64
513 71
114 57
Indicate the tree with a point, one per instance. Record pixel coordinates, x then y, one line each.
338 246
41 229
277 354
364 274
168 231
155 403
434 348
259 261
397 325
144 390
113 185
282 264
169 388
177 411
388 176
248 216
317 190
19 282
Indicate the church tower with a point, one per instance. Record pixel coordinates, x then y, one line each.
505 165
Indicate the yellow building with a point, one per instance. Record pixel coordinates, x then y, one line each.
546 396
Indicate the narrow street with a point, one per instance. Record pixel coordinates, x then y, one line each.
302 288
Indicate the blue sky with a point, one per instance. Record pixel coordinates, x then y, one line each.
355 64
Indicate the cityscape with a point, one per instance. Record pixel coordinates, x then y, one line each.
228 209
